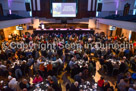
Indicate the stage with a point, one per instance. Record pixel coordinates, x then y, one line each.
63 31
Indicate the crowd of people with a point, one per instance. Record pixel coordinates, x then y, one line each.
44 65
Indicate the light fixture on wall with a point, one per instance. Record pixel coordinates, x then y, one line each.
10 12
15 32
134 11
130 34
117 6
97 24
9 6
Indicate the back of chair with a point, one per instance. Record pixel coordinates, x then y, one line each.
133 66
105 68
115 71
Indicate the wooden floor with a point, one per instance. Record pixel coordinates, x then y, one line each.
96 77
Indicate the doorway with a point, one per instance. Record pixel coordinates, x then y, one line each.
133 36
126 9
1 10
118 32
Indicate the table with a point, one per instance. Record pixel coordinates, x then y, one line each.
80 62
87 86
43 86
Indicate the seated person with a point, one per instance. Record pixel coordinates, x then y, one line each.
123 67
133 88
49 68
116 65
78 78
123 84
101 82
74 87
101 60
12 83
53 83
107 86
37 79
110 67
25 84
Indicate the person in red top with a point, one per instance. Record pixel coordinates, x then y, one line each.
115 38
24 36
101 82
37 79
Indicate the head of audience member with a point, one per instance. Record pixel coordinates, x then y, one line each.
134 86
37 75
126 80
76 84
24 81
25 89
102 57
102 78
9 78
49 78
80 74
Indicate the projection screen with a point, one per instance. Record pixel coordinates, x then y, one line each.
64 9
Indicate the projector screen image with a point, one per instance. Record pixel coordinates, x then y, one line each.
64 9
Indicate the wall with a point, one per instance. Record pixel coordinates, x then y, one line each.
10 30
45 11
109 7
126 33
25 29
16 6
5 6
102 28
98 27
120 24
92 23
9 23
36 23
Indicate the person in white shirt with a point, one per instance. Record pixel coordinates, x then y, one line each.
133 88
60 61
12 83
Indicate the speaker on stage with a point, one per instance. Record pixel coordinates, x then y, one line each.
99 7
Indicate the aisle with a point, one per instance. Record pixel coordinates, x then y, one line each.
111 80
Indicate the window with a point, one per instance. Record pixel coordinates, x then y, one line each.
99 1
134 11
135 4
97 14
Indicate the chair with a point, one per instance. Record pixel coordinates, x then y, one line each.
115 71
133 66
126 70
105 68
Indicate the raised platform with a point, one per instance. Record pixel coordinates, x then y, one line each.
63 31
68 25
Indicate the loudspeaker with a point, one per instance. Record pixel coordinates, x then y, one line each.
27 6
64 20
99 7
